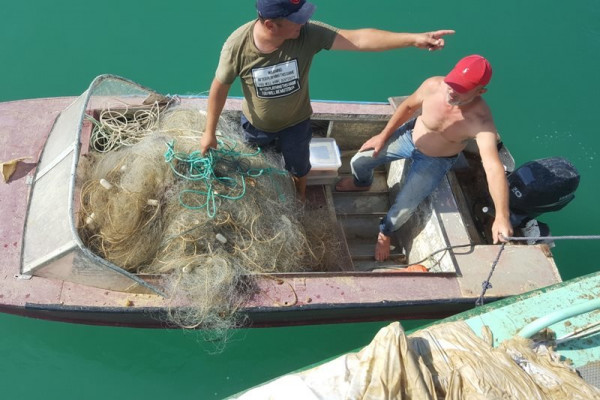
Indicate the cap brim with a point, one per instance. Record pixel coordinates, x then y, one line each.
303 14
460 87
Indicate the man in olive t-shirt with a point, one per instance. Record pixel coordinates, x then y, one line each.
272 56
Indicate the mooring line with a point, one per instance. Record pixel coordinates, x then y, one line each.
568 237
485 285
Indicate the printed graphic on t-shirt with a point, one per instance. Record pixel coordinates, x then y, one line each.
277 80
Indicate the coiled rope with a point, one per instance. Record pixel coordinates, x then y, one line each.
116 128
195 167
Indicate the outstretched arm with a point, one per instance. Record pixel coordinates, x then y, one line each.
369 39
405 111
497 184
216 101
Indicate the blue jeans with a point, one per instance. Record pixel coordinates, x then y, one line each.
423 177
292 142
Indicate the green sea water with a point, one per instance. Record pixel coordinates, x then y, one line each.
544 96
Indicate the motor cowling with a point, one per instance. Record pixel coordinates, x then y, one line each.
541 186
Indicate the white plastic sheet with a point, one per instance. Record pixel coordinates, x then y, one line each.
446 361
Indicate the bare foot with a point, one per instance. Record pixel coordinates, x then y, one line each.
382 248
300 187
347 185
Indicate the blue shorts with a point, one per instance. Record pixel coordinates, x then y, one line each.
293 143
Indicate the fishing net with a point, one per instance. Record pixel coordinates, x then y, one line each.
207 225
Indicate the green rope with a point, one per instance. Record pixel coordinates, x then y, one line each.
195 167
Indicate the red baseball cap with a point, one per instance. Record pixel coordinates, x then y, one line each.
469 73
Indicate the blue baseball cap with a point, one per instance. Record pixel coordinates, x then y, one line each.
298 11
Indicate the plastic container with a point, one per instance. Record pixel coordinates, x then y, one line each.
325 161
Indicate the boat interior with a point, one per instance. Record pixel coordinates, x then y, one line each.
451 216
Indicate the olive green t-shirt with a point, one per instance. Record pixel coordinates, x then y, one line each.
275 85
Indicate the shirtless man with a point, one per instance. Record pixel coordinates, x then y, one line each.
452 113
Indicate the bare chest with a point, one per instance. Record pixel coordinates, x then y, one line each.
449 123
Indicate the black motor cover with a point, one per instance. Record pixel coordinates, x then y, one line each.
541 186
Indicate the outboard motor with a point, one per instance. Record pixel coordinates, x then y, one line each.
538 187
541 186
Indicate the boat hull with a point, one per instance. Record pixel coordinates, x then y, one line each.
543 342
281 299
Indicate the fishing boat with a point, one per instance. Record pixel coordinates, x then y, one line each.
544 344
442 263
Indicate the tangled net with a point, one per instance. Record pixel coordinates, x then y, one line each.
208 225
